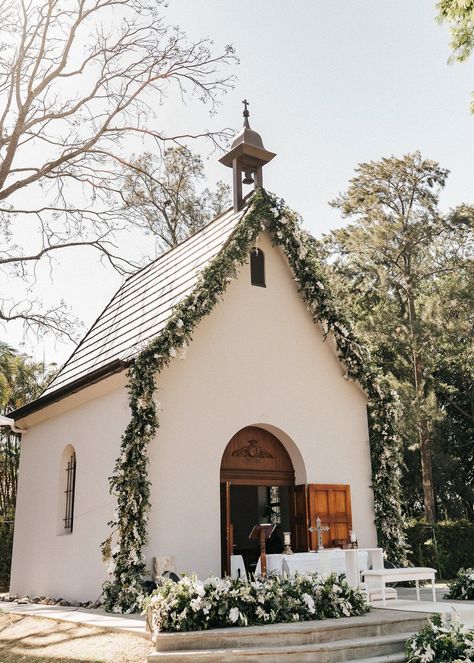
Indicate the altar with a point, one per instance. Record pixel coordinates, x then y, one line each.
352 562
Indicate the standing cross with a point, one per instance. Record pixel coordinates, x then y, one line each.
319 529
246 110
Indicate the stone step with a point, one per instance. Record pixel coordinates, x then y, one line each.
376 623
354 649
387 658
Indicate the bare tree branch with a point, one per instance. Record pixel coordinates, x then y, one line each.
79 80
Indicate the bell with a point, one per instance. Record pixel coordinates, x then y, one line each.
248 179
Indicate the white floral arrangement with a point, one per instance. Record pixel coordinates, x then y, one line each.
442 639
462 587
194 605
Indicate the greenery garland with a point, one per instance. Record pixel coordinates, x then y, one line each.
129 481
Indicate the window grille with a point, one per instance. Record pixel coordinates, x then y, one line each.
257 267
70 489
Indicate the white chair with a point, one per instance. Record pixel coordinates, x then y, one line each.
237 567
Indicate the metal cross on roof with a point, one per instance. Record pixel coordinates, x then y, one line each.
246 113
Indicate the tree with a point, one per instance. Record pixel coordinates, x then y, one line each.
388 262
161 196
460 15
21 380
79 79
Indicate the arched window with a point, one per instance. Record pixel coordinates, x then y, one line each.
257 267
67 490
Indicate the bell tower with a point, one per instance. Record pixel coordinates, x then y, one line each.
246 157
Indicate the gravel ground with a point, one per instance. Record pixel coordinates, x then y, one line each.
36 640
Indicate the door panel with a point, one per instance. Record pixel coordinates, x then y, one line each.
332 503
226 529
300 527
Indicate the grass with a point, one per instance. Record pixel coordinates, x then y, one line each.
36 640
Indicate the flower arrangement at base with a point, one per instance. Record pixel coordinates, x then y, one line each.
462 587
442 639
195 605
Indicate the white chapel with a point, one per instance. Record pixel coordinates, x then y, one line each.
257 419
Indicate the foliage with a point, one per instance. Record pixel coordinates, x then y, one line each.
6 545
161 197
21 380
194 605
400 269
460 15
130 479
462 587
445 546
78 81
442 639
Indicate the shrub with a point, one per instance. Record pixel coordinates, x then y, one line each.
194 605
442 639
445 546
6 544
462 587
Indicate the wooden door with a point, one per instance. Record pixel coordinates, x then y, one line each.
299 538
332 503
227 543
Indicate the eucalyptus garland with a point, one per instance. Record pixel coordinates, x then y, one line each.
130 483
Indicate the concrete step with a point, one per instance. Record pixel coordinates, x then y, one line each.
376 623
352 649
390 658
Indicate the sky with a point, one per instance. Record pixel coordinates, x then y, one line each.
331 83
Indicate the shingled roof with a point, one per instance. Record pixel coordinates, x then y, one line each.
139 310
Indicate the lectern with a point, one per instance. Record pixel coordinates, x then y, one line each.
262 532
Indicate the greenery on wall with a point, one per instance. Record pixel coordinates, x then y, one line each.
130 483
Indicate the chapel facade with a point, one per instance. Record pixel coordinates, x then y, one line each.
258 422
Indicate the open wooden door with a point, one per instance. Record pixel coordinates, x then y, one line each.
227 543
332 503
299 537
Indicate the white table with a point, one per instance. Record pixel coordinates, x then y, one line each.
377 577
352 562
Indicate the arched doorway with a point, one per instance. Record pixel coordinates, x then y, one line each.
257 485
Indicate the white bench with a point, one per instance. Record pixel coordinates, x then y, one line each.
379 577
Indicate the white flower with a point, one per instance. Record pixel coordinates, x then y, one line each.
309 602
200 591
195 604
428 655
275 212
283 220
234 615
179 323
172 352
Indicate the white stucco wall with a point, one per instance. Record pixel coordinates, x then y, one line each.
46 562
256 360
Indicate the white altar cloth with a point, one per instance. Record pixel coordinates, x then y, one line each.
275 561
351 562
